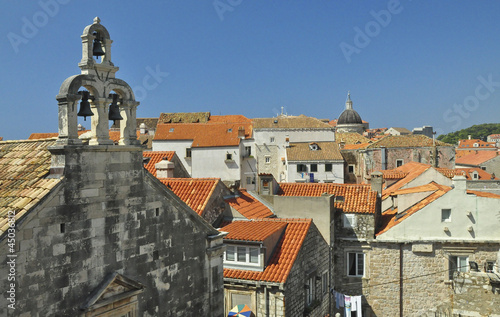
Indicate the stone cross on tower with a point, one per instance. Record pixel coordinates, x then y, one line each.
98 78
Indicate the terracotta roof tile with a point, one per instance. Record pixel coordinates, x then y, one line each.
411 170
389 219
249 207
467 172
476 158
483 194
156 157
229 119
204 134
252 230
279 266
289 122
412 140
195 192
23 166
327 151
35 136
358 198
470 144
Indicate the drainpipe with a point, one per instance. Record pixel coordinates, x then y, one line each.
266 300
401 280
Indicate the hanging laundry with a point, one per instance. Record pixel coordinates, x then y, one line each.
356 305
347 304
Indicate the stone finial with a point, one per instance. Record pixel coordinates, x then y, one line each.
97 20
348 102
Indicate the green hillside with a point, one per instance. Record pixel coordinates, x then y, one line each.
480 131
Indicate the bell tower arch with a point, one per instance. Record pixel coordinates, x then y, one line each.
105 93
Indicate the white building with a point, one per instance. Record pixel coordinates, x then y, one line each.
272 135
218 146
315 162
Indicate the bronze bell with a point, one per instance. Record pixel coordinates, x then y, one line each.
114 110
85 106
97 47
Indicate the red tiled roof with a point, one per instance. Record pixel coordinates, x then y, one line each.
358 198
248 206
36 136
195 192
252 230
284 255
469 144
450 173
237 118
156 157
411 170
355 146
476 158
389 220
483 194
204 134
115 135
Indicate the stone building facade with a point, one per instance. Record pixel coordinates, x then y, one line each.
295 281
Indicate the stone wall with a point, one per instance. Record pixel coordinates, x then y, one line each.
476 292
427 290
216 206
108 215
445 157
312 260
273 167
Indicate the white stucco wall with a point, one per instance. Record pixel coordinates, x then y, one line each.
262 136
179 146
277 149
426 223
211 162
335 176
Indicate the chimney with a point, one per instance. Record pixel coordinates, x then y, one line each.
376 181
164 169
241 132
469 136
342 144
142 128
287 142
459 183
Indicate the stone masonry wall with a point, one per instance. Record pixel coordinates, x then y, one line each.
426 285
273 166
107 216
312 260
216 205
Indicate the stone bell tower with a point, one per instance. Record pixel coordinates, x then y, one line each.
98 78
98 95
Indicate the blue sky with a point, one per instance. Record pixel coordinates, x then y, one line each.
406 63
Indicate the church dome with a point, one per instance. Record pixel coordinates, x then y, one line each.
349 116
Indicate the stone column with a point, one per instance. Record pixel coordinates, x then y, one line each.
68 121
128 134
100 128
